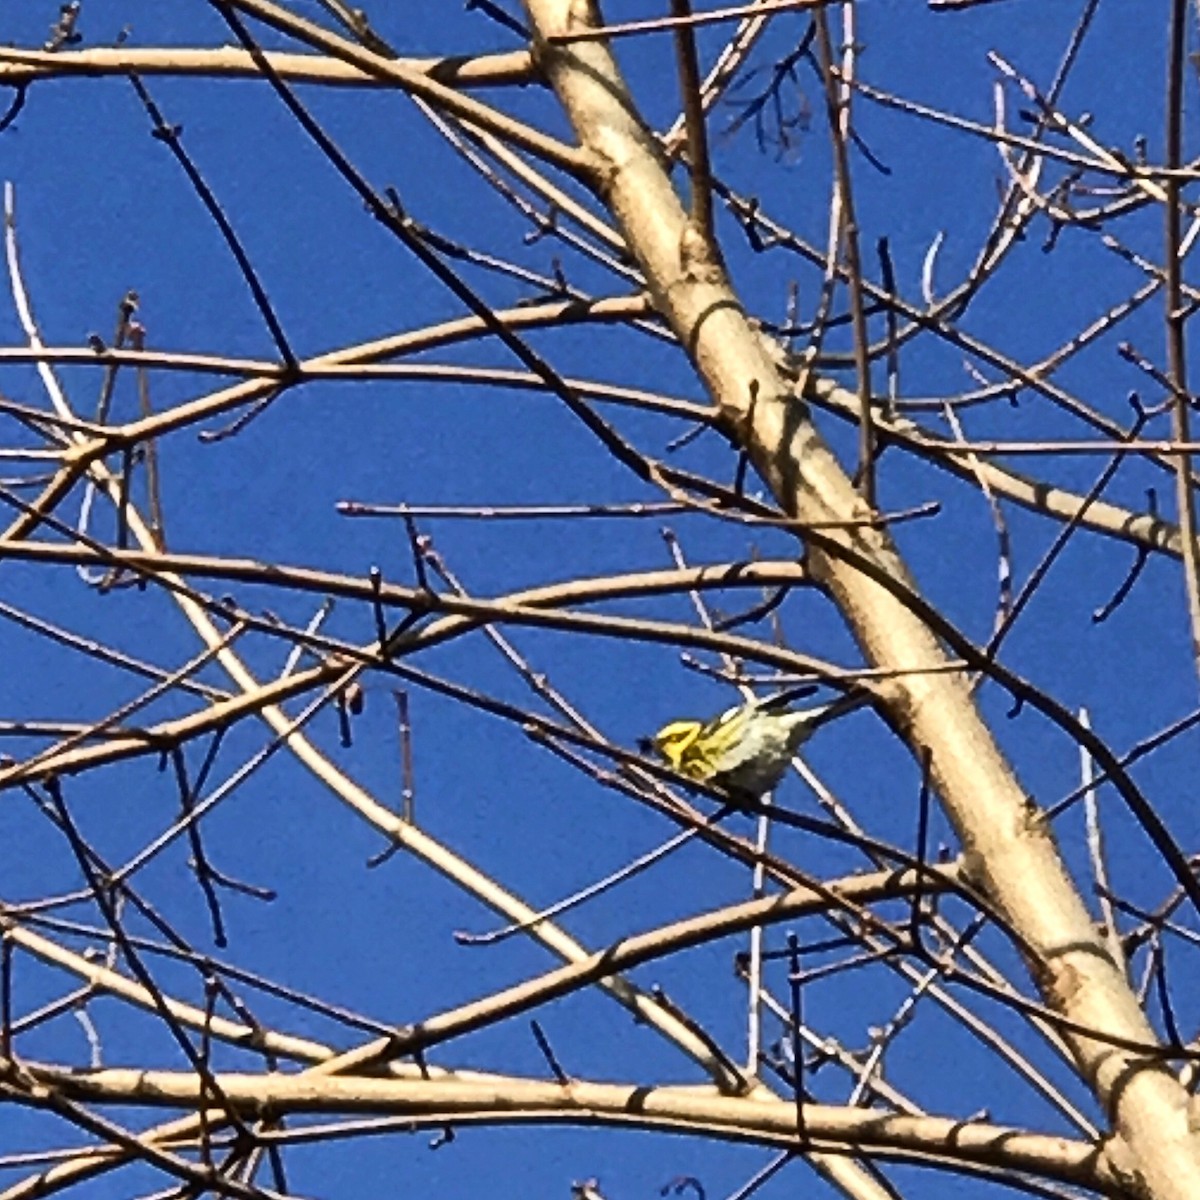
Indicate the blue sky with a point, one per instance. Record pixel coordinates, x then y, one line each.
103 209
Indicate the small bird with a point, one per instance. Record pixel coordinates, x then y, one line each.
746 750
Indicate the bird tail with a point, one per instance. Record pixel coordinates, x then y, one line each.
823 714
778 701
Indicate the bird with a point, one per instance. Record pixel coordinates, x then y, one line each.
746 749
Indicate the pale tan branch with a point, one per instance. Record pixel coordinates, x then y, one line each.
624 955
702 1111
463 329
105 980
389 70
635 950
22 67
1100 516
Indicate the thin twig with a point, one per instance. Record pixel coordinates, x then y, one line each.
688 66
838 110
1176 317
1095 845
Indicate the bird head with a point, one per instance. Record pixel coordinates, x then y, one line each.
671 742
